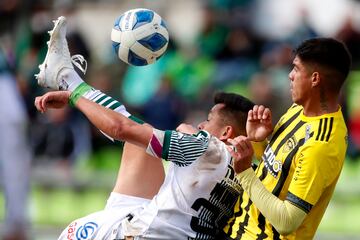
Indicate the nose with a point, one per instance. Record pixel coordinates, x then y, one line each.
201 126
291 75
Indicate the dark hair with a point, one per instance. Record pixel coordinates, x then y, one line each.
329 54
236 109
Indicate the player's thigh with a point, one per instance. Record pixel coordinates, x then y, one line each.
140 174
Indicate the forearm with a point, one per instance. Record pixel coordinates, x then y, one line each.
115 125
94 95
283 215
86 91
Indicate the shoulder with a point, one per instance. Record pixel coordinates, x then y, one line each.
291 113
293 109
330 129
327 146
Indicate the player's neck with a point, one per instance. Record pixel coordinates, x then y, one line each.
318 107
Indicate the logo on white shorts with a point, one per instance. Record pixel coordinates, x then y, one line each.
86 231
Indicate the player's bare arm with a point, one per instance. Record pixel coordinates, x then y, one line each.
113 124
52 100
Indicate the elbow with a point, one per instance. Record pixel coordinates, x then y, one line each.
291 219
117 130
286 229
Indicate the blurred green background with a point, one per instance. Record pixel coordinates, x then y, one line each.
241 46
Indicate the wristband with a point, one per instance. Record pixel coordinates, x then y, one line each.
77 93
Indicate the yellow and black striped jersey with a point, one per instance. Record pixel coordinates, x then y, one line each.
301 164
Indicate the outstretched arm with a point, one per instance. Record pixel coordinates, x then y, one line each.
110 122
115 125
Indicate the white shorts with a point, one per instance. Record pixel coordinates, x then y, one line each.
105 224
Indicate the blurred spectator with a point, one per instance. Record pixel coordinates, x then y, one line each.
52 137
351 37
59 138
15 155
262 92
351 111
238 59
276 60
165 109
30 51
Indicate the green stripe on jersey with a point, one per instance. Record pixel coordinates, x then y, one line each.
135 119
166 146
100 99
115 105
107 102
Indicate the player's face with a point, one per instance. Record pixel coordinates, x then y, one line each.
214 124
300 82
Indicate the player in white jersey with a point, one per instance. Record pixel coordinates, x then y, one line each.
200 189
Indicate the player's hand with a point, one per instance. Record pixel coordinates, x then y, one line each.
187 128
258 125
243 154
58 99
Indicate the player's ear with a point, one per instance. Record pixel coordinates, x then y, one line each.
315 79
228 132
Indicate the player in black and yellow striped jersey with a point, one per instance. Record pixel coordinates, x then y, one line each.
287 195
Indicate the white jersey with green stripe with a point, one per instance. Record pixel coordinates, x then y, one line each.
106 101
199 192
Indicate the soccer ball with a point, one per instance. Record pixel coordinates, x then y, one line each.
139 37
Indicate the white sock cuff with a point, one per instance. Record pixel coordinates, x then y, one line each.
71 78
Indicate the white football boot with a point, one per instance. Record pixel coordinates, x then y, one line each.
57 59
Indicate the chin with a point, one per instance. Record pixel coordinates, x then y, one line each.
296 100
